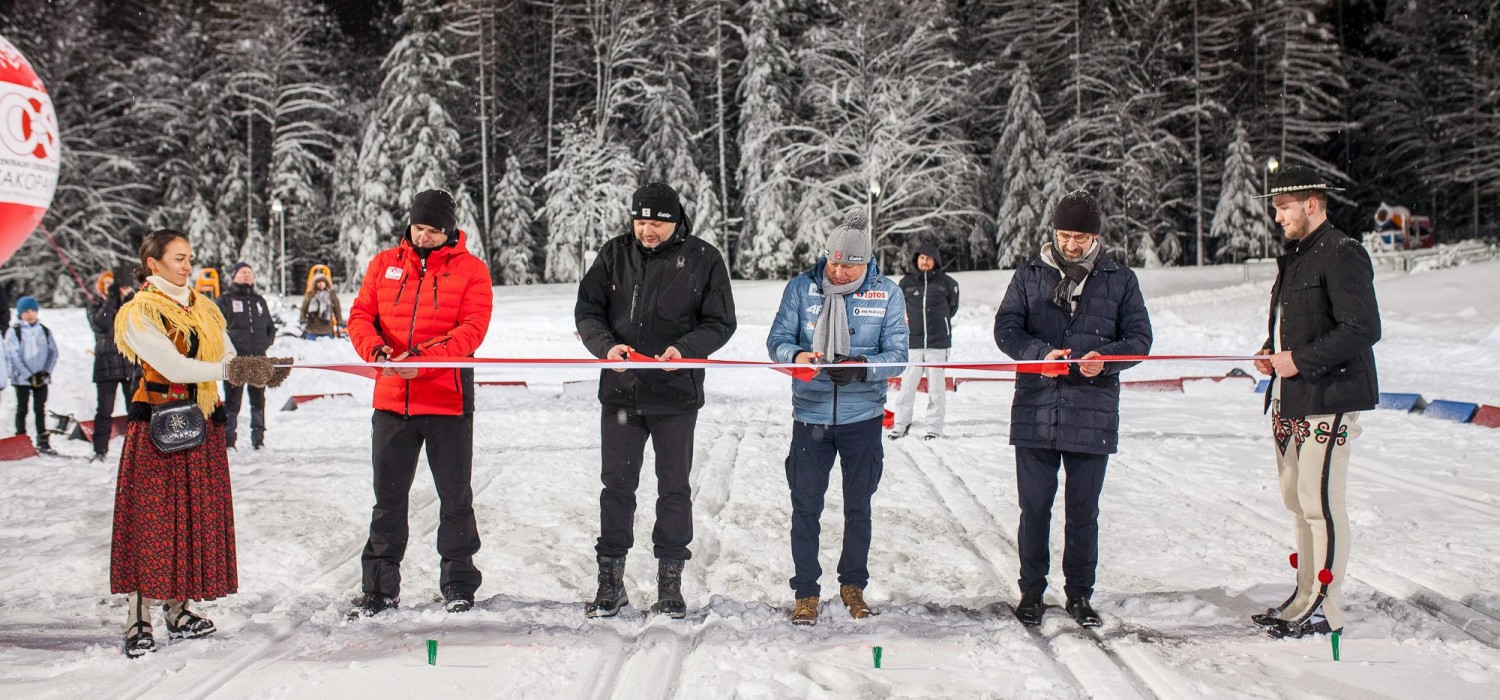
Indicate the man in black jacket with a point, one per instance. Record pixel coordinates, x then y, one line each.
931 302
663 292
252 330
1322 327
112 372
1072 301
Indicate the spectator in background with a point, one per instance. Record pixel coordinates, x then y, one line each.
112 372
252 329
931 301
321 316
30 354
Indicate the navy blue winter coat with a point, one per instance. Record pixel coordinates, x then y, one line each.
1072 413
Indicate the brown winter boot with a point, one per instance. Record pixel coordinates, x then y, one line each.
806 613
854 599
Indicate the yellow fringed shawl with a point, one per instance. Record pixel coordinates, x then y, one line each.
151 308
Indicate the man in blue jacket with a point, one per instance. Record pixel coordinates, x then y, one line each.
1071 301
842 311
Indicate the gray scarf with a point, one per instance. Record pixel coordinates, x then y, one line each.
320 306
831 333
1073 273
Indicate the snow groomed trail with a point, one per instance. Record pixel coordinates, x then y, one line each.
1193 538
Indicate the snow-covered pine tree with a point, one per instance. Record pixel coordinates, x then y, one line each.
669 125
515 215
1017 171
1043 34
1121 144
279 70
1304 81
1240 225
886 100
767 198
588 200
411 142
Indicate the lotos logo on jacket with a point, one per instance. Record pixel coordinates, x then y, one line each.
873 294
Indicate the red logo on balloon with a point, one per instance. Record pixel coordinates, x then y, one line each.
27 126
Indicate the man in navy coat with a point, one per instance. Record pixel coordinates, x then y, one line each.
1070 302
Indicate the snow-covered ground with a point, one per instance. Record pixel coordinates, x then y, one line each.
1194 537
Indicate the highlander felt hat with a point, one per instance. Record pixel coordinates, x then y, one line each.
1298 178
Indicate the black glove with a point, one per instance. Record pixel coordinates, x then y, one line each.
39 379
843 376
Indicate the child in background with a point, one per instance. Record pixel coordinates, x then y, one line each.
30 354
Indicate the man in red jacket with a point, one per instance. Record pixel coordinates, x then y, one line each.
427 298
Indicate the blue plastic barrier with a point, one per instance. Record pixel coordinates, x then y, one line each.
1402 402
1457 411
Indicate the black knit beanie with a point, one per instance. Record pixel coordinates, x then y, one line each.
435 208
1076 212
656 200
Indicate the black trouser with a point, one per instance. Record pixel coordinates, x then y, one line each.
24 392
1036 481
395 444
862 458
104 413
623 449
233 396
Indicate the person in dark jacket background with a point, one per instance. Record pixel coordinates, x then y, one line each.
1072 301
112 372
931 302
1323 323
660 291
253 329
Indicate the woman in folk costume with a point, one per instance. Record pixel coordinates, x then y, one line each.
321 316
174 520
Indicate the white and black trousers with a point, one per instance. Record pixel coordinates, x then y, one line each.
1312 463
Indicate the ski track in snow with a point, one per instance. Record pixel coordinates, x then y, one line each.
1193 537
344 573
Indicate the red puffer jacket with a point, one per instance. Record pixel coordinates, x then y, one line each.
436 308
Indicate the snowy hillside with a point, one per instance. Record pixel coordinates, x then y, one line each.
1193 536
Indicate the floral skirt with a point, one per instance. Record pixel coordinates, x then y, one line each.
174 520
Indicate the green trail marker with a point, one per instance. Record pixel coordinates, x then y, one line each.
1335 646
876 652
432 652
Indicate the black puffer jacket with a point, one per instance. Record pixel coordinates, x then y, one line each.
1071 413
250 325
1325 290
931 302
650 299
109 364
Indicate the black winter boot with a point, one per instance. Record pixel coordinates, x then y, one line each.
669 600
1029 610
1083 613
611 596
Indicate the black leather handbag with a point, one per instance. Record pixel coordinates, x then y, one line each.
177 426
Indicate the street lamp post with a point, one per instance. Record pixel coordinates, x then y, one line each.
280 211
1271 165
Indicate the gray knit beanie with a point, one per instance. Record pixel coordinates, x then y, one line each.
850 241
